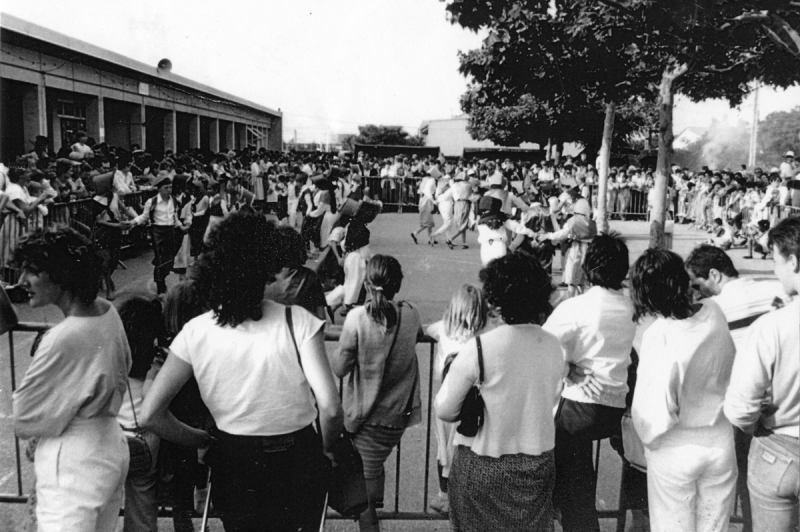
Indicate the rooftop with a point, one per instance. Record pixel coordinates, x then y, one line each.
60 45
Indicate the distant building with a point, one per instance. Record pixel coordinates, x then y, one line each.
687 137
451 136
55 85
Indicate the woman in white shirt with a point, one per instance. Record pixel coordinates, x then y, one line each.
503 477
260 366
74 386
684 368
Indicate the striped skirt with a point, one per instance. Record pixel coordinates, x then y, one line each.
510 493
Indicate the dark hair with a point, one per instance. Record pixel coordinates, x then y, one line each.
291 248
786 237
607 262
518 288
183 302
384 277
660 286
68 257
705 257
241 259
141 318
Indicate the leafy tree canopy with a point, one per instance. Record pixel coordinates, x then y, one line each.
386 135
778 133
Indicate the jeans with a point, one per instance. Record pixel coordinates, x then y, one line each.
774 482
141 490
578 425
274 482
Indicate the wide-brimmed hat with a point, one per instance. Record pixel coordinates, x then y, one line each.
164 181
582 207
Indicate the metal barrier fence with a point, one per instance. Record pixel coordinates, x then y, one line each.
73 213
395 513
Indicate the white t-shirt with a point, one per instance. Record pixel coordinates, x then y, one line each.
596 331
249 375
684 370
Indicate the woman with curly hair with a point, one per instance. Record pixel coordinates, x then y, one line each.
259 366
73 389
685 364
503 477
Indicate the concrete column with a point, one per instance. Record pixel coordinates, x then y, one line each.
194 131
96 119
143 127
213 136
32 114
170 131
241 137
42 106
229 142
137 125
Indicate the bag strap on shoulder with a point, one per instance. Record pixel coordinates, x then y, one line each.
290 324
480 359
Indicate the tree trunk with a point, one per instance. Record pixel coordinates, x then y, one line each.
658 216
558 149
602 170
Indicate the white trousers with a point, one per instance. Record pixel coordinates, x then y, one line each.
691 486
80 477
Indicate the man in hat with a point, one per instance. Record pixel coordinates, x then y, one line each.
789 166
162 213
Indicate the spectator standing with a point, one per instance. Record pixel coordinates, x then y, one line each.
596 331
74 386
268 465
80 150
763 398
503 478
684 368
381 395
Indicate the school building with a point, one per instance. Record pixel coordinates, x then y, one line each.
53 85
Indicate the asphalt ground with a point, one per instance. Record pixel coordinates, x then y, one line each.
431 275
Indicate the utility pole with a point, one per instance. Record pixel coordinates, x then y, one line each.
751 162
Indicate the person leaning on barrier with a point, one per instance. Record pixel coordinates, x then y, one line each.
503 478
684 369
381 391
260 367
596 330
74 386
742 300
763 398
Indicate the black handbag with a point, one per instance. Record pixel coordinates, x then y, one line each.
141 459
473 409
347 489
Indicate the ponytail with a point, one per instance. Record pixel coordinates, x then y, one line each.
384 277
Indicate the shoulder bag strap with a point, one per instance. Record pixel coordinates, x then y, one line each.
290 324
133 408
480 359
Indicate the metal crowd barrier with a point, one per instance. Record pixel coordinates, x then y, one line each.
331 335
73 213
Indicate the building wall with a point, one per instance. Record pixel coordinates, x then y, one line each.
119 107
451 136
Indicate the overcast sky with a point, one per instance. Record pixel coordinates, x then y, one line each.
329 65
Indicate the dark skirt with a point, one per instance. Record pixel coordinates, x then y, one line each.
510 493
196 233
461 215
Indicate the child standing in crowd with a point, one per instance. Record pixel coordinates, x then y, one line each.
357 255
465 317
381 394
182 304
684 369
141 318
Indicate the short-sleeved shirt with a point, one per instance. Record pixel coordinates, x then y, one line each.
79 371
249 375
